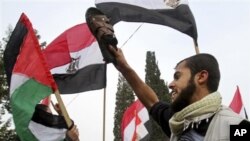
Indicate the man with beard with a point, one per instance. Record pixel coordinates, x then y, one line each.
196 113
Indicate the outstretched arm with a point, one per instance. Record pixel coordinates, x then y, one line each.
145 94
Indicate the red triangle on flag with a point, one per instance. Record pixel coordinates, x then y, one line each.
237 105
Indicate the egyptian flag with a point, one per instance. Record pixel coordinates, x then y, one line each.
28 76
173 13
76 61
237 105
135 123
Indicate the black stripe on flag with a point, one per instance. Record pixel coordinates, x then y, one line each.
48 119
148 126
13 48
180 18
88 78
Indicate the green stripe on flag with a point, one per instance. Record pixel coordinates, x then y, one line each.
23 102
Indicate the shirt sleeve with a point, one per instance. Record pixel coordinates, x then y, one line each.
161 113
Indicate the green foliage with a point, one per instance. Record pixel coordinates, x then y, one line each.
4 96
6 134
42 44
153 79
124 98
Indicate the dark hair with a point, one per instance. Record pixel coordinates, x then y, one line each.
206 62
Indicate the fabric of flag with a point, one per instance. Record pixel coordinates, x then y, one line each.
28 76
47 127
46 101
135 124
76 61
173 13
237 105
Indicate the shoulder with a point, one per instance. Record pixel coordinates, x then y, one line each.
219 128
226 111
159 108
226 115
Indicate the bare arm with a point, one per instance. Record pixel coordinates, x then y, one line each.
145 94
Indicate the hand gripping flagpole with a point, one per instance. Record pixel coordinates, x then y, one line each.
63 109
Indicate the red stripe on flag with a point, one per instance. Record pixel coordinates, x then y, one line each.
128 114
137 122
74 39
31 61
46 101
79 37
132 112
236 104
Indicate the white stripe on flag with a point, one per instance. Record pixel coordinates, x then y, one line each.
141 129
143 114
149 4
17 79
88 56
129 130
44 133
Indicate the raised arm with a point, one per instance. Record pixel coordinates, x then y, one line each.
145 94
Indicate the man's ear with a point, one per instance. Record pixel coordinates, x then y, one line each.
202 76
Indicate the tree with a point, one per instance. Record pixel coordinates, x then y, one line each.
153 79
42 44
5 132
124 98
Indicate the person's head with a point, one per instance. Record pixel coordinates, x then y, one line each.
194 78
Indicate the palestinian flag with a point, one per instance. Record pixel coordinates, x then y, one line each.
173 13
237 104
28 76
135 123
76 61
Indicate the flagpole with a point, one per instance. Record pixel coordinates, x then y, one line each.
63 109
104 112
197 51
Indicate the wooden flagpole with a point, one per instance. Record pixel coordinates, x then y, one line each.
104 113
197 51
63 109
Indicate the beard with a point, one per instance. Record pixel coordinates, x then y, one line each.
184 97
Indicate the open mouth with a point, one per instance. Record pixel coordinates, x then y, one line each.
173 92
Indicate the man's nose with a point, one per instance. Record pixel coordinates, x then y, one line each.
171 85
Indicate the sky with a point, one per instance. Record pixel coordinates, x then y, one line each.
223 31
